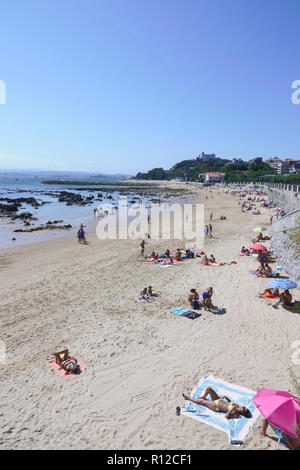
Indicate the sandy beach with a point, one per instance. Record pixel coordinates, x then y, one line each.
138 357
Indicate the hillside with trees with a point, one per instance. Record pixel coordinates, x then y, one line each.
189 170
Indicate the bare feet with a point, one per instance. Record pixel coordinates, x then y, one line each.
186 397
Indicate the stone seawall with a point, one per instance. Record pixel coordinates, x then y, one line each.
285 248
287 200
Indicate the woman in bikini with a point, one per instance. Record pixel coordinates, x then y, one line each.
220 404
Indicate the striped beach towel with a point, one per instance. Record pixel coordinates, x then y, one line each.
236 429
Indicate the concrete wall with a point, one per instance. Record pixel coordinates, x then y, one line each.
287 200
286 251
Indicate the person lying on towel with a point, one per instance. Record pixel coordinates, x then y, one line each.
220 404
67 363
270 294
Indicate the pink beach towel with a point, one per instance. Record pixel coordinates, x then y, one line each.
62 371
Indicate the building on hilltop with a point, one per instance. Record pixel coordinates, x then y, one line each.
205 157
255 160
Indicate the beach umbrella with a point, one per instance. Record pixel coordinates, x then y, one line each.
281 409
259 229
282 284
257 246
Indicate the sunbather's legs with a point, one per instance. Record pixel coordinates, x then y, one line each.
264 427
210 391
200 401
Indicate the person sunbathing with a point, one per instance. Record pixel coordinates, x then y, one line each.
270 294
205 260
212 259
220 404
178 255
66 362
245 251
167 253
154 256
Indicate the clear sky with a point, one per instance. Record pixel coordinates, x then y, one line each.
128 85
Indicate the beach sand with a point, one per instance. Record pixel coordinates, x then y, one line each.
138 357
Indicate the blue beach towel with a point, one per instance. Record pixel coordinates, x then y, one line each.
236 429
185 312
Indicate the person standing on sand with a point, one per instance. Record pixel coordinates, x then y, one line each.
210 230
206 230
142 245
211 216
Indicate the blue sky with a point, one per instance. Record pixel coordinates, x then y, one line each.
128 85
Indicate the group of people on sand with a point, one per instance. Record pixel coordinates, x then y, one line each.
194 299
285 298
264 270
205 260
148 294
208 230
260 238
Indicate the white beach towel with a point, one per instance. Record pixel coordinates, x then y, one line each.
236 429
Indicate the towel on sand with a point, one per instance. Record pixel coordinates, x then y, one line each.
236 429
184 312
61 371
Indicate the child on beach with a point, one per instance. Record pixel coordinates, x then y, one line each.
81 235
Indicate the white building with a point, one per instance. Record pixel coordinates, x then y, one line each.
213 177
281 167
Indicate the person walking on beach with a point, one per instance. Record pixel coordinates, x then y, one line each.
206 230
81 235
210 230
211 216
142 245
